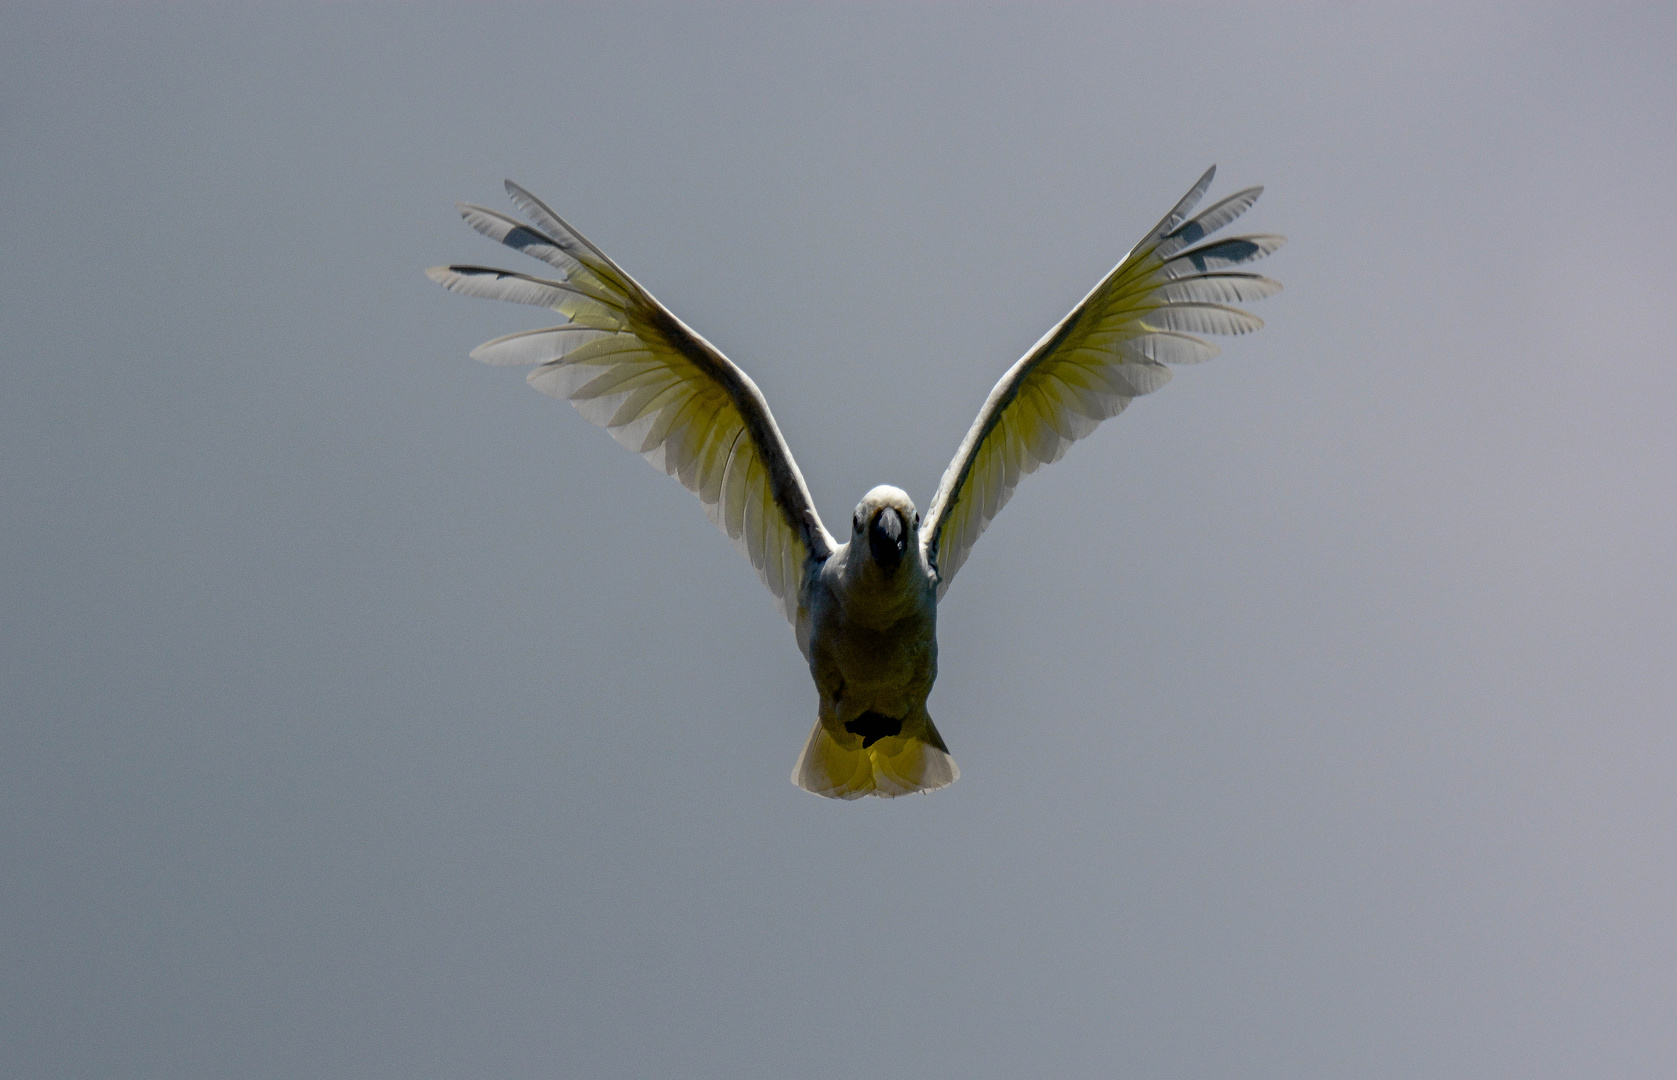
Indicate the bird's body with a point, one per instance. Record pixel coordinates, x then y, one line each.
869 631
865 610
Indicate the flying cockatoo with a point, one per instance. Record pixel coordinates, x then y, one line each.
864 608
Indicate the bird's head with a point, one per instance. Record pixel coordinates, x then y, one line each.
886 522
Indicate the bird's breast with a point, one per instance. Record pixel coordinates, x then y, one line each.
873 637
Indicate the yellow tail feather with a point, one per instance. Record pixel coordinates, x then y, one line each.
838 766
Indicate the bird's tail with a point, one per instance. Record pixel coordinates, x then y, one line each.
840 764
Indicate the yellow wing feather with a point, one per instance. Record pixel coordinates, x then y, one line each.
629 365
1111 348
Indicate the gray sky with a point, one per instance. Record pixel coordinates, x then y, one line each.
367 714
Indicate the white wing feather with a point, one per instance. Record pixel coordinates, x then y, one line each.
629 365
1110 349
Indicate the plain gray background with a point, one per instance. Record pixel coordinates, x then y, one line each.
367 714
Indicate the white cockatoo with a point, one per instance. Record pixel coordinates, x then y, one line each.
864 608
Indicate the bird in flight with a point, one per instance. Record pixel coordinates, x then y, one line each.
864 608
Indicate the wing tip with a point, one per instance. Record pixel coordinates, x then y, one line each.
1179 213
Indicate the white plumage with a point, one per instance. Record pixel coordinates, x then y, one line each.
865 610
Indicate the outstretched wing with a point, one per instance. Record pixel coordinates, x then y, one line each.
1112 347
633 368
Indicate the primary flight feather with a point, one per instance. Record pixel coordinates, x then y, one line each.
865 610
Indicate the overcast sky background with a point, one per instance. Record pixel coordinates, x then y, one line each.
367 714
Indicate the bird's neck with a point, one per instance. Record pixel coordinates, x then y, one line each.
869 592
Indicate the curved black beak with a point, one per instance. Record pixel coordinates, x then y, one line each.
887 539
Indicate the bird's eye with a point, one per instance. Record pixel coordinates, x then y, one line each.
858 520
916 524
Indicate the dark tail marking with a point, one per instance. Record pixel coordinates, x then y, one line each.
872 727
